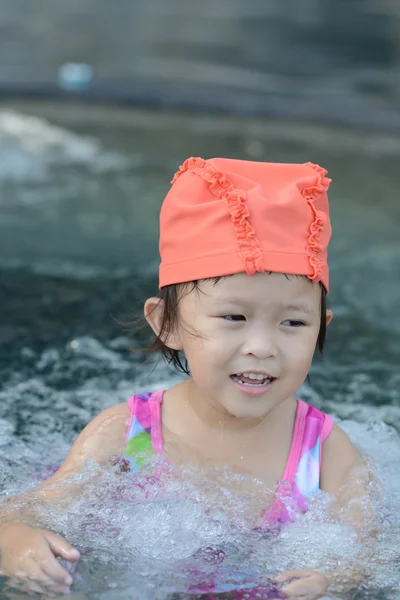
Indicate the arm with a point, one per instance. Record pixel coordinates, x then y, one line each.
28 553
346 475
102 441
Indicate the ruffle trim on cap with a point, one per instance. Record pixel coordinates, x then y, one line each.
220 186
311 194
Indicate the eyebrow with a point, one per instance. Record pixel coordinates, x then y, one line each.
300 307
304 308
233 301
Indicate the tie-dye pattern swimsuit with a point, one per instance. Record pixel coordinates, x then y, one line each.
301 478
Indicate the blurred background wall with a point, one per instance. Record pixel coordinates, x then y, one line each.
335 60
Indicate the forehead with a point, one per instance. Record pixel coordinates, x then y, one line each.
261 289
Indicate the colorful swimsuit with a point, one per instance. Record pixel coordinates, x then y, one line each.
230 572
302 473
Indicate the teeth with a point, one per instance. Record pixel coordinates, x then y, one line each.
257 381
257 376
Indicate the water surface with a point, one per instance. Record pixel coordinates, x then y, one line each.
80 191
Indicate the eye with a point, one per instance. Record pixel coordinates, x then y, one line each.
233 317
293 323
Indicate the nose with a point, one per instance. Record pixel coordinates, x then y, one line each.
261 343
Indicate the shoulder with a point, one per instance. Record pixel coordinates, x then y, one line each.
108 426
102 440
339 456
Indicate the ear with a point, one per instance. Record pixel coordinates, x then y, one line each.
329 316
154 315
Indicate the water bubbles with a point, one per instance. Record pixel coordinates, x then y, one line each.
48 359
6 432
324 541
91 348
171 529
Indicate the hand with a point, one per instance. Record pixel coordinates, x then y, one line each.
308 584
28 557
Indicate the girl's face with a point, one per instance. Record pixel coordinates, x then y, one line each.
249 341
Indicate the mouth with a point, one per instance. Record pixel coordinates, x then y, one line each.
252 379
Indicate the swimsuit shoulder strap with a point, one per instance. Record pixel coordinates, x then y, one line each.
302 474
143 434
311 429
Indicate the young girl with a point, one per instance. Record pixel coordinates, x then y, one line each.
243 280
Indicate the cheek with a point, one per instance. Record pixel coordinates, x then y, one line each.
202 363
198 346
212 338
299 349
209 350
207 353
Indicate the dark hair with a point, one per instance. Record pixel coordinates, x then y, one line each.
171 296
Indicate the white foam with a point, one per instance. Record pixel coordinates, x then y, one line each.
33 146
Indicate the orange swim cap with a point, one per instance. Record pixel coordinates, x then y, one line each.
224 216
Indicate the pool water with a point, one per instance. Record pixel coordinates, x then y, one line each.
80 190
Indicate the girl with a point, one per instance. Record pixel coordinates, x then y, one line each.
243 279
